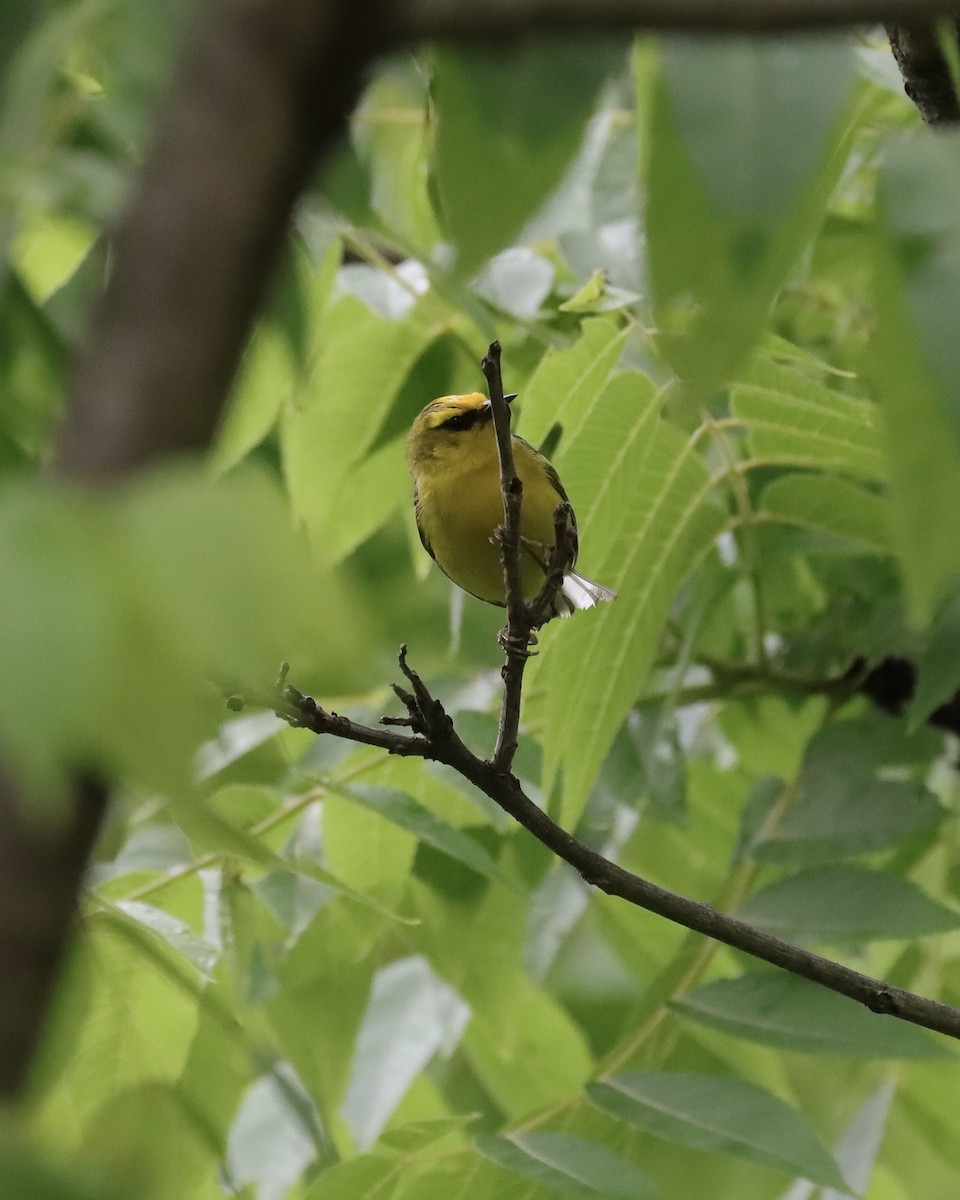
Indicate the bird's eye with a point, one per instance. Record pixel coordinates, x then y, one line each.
461 421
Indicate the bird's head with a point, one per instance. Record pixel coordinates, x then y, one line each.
447 427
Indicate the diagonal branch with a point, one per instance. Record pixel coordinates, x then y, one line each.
437 740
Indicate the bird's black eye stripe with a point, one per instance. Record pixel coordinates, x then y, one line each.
464 420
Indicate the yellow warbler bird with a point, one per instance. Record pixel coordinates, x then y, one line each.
452 455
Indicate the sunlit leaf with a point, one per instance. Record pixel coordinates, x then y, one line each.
654 489
792 420
140 1026
392 134
567 383
831 505
406 812
362 363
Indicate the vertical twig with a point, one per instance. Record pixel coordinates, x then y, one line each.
516 637
522 618
512 490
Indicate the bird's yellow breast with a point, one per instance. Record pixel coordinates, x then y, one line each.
460 507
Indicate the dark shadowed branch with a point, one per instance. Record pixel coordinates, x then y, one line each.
262 89
453 18
43 856
927 80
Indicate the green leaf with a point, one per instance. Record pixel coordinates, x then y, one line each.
845 804
649 519
517 282
411 1015
276 1133
598 295
843 819
589 294
391 130
239 586
730 101
794 1014
264 385
140 1025
794 421
369 495
523 1046
920 180
831 505
418 1135
913 362
938 671
32 1172
732 202
572 1165
48 249
214 834
725 1116
370 1177
132 1134
567 383
176 933
846 904
509 121
361 365
409 814
46 646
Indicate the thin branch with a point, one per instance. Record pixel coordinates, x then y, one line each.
512 491
523 619
515 639
436 739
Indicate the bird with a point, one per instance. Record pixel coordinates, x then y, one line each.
452 455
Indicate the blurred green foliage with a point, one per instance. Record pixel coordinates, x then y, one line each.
725 278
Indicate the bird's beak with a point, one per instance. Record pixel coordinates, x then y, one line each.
512 396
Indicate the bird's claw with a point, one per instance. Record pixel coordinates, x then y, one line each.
517 645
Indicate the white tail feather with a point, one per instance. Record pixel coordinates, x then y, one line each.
578 592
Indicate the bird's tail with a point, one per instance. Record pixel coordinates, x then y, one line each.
578 592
